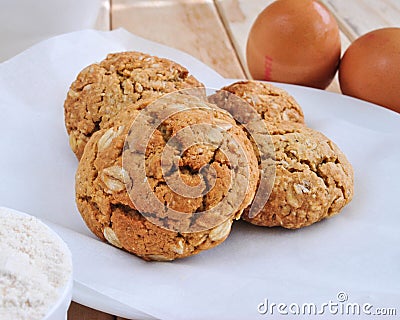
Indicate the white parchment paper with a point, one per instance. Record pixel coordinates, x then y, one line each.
356 252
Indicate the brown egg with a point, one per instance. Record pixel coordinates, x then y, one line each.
294 41
370 68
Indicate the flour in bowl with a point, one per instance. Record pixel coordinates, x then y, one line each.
34 266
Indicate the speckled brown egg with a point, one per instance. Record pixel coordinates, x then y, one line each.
296 42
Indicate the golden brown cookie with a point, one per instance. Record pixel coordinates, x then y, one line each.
272 103
152 216
122 81
314 180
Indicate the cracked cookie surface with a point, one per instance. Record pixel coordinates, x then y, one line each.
122 82
314 180
106 175
272 103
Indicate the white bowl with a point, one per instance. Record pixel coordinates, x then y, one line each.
58 309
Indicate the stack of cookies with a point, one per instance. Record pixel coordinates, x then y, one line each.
164 169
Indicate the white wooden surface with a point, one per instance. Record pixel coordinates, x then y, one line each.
192 26
357 17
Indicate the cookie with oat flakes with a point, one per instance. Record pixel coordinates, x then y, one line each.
153 216
123 81
314 180
272 103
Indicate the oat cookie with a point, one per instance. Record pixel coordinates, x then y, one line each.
121 82
314 180
107 174
272 103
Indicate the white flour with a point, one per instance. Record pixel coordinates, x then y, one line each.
34 265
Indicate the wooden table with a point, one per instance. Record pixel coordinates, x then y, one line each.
215 32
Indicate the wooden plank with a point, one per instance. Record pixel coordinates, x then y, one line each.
79 312
358 17
193 26
238 17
